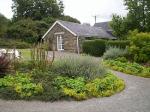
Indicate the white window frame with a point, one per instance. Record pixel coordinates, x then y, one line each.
60 43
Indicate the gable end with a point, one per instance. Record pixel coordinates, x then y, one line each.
57 22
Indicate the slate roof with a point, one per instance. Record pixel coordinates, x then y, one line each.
103 25
86 31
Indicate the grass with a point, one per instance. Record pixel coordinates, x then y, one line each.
25 54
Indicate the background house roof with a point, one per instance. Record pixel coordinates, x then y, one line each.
86 30
103 25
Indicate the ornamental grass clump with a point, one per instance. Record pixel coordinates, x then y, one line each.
114 52
84 66
39 56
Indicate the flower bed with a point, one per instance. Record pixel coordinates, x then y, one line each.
80 89
71 78
129 68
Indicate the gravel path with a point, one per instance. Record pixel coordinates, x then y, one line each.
135 98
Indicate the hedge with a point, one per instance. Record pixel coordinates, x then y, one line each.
118 43
94 47
9 43
97 47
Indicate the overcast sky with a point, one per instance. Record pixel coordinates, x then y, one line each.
84 10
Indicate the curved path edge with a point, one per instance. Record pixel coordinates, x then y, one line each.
134 98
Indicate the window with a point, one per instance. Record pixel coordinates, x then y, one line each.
60 43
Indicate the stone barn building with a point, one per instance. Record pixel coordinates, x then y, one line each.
68 36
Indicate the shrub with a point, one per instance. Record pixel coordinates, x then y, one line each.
27 30
4 65
9 43
139 46
94 47
84 66
113 53
117 43
129 68
21 84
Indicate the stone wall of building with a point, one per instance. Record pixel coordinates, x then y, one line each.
70 41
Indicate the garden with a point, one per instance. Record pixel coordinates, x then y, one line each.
37 77
130 56
70 78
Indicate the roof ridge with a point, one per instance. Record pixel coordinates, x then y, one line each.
69 22
80 24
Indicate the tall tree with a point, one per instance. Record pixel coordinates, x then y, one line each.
27 30
137 13
138 16
33 17
4 22
37 9
117 24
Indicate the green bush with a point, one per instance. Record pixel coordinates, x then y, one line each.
9 43
21 84
139 46
113 53
98 47
80 89
84 66
94 47
129 68
27 30
117 43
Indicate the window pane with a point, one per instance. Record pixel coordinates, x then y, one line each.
62 46
60 42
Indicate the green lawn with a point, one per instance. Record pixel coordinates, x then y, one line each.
25 53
